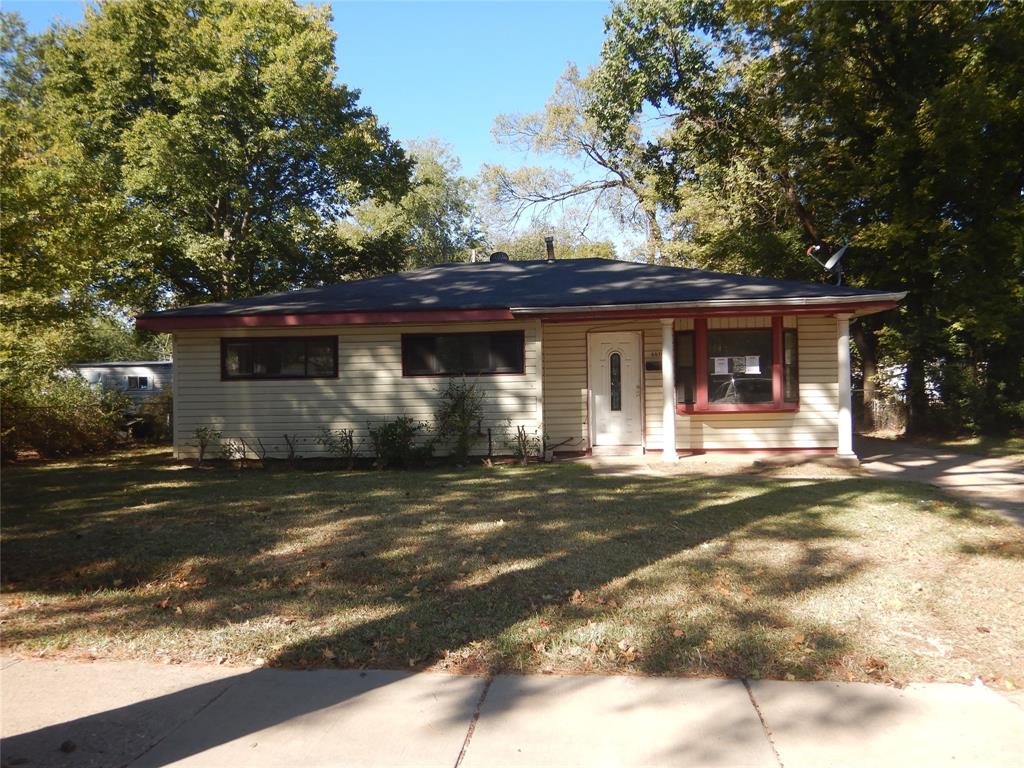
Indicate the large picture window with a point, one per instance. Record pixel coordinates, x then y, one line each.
741 369
462 354
311 357
740 366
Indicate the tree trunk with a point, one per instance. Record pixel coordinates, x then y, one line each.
799 210
655 240
867 347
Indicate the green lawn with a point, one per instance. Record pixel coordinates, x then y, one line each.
512 568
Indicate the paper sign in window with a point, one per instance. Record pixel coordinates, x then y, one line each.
752 364
721 365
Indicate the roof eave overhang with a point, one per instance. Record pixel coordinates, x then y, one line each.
851 305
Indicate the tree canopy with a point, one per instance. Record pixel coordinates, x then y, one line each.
616 178
176 151
433 223
186 150
896 127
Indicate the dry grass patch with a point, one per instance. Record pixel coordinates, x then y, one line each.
544 568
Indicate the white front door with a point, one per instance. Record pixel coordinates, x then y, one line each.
615 388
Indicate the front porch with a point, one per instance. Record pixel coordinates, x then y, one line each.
680 385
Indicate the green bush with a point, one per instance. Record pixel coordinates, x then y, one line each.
63 416
154 418
205 437
459 416
394 443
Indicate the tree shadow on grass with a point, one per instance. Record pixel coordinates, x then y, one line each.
428 583
459 583
576 584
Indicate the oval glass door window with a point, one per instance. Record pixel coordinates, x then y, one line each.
615 366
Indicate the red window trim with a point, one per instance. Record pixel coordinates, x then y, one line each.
701 404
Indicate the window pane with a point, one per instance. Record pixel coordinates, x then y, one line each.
476 351
686 372
790 377
506 352
740 366
143 382
453 352
615 365
293 358
418 355
320 357
238 359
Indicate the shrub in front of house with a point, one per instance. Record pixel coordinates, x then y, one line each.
394 443
458 418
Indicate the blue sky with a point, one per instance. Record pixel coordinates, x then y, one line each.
442 70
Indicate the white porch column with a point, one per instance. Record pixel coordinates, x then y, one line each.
668 390
845 421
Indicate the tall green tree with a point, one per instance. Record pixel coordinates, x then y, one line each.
192 150
614 177
433 223
569 242
896 126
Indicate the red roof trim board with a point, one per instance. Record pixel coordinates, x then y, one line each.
426 316
172 323
758 311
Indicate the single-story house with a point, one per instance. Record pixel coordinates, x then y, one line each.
598 355
139 379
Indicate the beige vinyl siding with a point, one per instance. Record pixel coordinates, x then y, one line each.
813 426
369 389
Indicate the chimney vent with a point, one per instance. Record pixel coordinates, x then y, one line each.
549 242
499 256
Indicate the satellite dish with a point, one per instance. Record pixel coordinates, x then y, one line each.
835 257
832 264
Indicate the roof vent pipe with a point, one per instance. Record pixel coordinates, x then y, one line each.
499 256
549 243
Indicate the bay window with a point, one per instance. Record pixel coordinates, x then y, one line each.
736 369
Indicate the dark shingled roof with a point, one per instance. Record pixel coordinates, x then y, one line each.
525 284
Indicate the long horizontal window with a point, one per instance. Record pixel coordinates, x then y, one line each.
462 354
312 357
737 369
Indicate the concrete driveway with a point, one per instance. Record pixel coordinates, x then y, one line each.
995 483
85 715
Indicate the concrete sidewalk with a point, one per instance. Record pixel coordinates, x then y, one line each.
130 714
995 483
